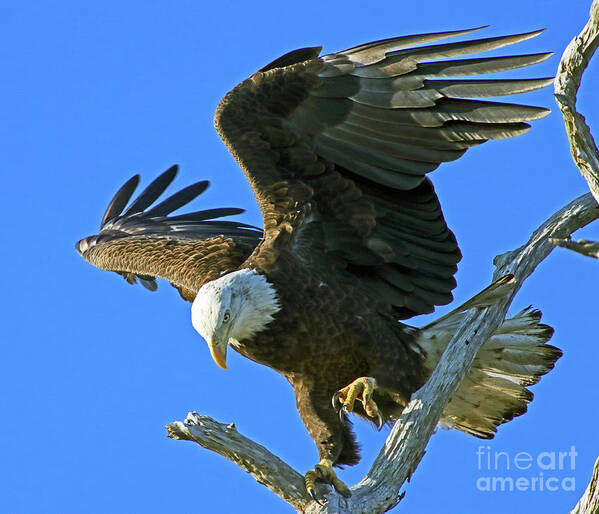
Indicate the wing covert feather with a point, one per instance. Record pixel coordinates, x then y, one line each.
187 250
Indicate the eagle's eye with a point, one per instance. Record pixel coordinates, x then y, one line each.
226 317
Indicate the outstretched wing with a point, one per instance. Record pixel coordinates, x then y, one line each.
143 243
352 135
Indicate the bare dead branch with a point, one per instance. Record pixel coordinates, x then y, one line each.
263 465
574 61
589 503
582 246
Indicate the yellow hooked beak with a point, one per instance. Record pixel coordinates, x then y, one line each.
218 350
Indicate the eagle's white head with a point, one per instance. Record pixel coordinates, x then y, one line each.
233 308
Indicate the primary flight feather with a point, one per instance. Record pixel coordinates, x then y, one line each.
337 149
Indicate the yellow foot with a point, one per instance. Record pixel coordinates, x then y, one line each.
323 472
363 387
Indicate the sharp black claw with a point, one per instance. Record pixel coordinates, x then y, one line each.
379 421
335 400
314 497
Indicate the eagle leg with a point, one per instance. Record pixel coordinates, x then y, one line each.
323 472
363 387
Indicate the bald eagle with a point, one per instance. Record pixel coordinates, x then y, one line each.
337 149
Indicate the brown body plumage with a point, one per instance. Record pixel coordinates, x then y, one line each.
336 149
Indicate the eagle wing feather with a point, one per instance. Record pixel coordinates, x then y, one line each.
353 134
142 243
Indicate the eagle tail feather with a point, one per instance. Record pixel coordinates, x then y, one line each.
496 388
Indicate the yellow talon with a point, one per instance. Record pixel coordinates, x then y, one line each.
362 387
323 472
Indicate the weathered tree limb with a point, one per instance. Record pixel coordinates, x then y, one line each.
582 246
574 61
264 466
379 490
589 503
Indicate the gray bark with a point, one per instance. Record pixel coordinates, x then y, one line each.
264 466
589 503
574 61
582 246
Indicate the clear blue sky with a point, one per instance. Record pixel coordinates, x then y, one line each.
92 368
